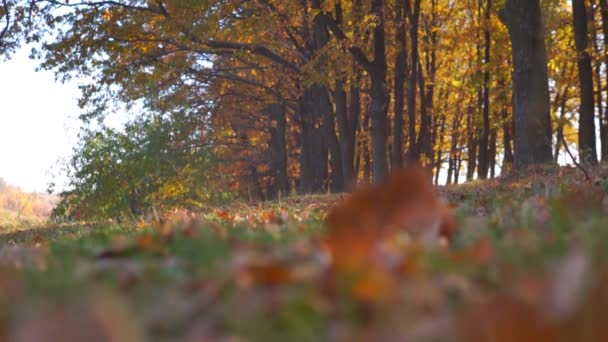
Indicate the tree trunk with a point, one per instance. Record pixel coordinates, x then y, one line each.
492 152
586 133
424 136
561 110
597 76
530 83
279 146
306 184
336 176
365 150
334 180
454 145
471 144
484 152
354 110
458 167
379 96
427 90
399 85
604 118
347 121
414 16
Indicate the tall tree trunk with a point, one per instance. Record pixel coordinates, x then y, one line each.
599 90
586 133
472 142
424 136
312 111
414 18
365 150
399 85
506 125
347 120
323 104
484 152
561 110
439 133
354 111
320 153
347 117
427 90
458 167
530 82
257 184
507 134
306 137
279 147
378 106
336 180
492 152
604 119
454 145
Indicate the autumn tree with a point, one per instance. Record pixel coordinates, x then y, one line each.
530 82
586 133
318 95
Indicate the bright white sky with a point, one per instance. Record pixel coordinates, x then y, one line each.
38 123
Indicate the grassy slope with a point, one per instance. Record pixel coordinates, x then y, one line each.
253 272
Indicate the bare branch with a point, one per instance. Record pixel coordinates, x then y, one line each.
8 22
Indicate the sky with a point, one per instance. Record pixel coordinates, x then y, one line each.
38 123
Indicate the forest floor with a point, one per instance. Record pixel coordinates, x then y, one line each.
529 262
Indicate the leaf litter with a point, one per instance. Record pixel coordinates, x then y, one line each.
520 259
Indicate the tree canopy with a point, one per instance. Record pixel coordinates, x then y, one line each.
318 95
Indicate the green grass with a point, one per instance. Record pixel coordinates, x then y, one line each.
190 284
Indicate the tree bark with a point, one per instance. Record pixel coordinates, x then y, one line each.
324 106
604 119
399 85
530 83
424 144
484 152
414 19
471 144
586 133
279 146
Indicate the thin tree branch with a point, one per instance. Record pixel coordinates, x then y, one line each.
578 165
8 21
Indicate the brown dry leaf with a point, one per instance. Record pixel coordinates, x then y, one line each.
404 202
505 318
480 253
256 270
374 286
269 274
149 243
180 221
119 247
483 251
222 214
104 320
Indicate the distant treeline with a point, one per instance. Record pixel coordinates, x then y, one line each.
17 206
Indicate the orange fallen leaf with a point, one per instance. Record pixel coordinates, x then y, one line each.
222 214
266 273
149 243
374 286
405 202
